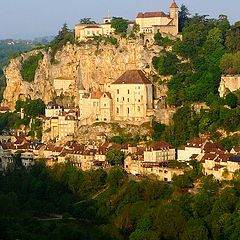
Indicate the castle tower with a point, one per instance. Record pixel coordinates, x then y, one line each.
174 14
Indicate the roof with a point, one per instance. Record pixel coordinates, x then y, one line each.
151 14
92 26
196 142
211 147
98 95
4 108
174 5
132 77
160 145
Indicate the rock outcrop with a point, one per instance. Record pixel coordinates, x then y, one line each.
100 64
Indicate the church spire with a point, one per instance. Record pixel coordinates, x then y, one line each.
174 4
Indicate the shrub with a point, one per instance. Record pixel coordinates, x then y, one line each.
30 66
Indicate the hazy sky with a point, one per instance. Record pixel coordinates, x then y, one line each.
33 18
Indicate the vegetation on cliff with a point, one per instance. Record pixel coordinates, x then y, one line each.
30 66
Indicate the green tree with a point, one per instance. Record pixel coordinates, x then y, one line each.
183 17
115 157
231 100
87 21
120 25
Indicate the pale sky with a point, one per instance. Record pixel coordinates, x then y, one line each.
27 19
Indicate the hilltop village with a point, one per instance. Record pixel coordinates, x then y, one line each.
129 91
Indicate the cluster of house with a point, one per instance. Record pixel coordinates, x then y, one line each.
149 23
139 159
156 159
213 157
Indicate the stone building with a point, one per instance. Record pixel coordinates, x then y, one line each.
129 98
152 22
85 31
95 107
132 95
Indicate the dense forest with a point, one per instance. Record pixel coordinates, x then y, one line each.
67 203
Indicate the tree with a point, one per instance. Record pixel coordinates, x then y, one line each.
116 177
183 17
115 157
87 21
231 100
120 25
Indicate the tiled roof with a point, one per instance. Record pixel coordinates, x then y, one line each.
196 142
160 145
98 95
151 14
132 77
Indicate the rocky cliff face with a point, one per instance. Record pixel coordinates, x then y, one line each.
99 65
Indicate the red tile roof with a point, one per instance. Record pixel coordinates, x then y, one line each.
160 145
151 14
132 77
98 95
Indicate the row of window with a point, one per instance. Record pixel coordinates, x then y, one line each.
128 91
128 100
128 110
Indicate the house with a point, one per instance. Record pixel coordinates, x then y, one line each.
159 152
193 147
84 32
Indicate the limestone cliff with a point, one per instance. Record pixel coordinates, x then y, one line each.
99 65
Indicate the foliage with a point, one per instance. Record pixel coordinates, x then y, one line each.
183 17
166 64
115 157
87 21
120 25
32 108
98 206
162 41
30 66
64 36
231 100
230 63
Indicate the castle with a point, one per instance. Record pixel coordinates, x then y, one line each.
153 22
149 23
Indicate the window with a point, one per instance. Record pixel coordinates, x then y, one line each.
128 91
117 110
139 100
128 110
138 109
117 91
105 104
117 99
123 98
128 99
